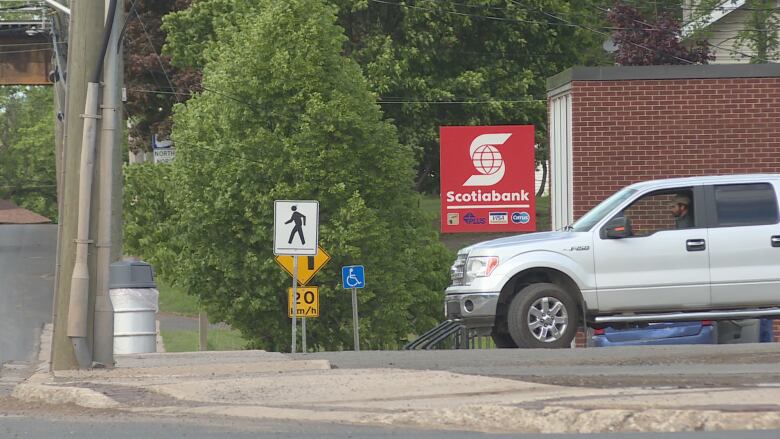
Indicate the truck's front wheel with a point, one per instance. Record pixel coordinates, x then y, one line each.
542 315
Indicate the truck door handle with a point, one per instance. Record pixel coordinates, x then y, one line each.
695 245
776 241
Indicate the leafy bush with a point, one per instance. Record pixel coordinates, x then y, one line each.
284 115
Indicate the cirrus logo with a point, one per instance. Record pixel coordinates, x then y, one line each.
521 217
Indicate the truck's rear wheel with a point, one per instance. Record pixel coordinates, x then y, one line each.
543 315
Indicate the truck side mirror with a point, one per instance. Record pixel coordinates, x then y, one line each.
617 228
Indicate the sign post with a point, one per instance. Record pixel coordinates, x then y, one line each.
294 318
353 277
296 233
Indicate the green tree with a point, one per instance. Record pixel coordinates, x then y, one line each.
295 119
153 84
761 32
449 62
758 38
27 170
644 40
149 217
437 62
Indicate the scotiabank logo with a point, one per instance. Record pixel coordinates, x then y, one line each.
487 159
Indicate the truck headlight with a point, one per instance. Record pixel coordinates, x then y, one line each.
480 266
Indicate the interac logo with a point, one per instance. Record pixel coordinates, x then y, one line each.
487 159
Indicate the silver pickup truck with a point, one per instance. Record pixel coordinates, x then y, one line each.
701 248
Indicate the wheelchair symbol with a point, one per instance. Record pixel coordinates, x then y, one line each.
352 276
352 280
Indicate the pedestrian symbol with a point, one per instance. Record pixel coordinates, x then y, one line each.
296 227
353 276
300 220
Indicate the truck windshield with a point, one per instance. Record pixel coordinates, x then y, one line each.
596 214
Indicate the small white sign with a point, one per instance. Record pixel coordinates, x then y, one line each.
164 152
296 227
164 155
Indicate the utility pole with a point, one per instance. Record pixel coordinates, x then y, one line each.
108 149
84 43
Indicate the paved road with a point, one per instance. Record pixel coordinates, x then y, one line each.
699 365
131 428
27 258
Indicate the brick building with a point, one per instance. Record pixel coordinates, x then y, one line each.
614 126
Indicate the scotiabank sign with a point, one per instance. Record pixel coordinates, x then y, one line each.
487 179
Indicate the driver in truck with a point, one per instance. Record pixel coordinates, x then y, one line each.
680 208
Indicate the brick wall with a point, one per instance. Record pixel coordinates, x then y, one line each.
776 330
629 131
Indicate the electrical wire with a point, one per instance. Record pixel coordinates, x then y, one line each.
154 50
687 61
384 100
717 46
29 44
6 52
463 14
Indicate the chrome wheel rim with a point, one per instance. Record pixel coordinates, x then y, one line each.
547 319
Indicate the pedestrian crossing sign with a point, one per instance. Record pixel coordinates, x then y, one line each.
296 227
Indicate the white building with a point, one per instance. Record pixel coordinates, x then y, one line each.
723 25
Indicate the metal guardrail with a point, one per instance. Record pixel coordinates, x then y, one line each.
436 335
451 334
32 16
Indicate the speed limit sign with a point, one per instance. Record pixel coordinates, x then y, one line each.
307 302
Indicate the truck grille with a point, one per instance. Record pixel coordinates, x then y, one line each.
456 272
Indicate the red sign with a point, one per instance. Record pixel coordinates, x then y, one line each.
487 179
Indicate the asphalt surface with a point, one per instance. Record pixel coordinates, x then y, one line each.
110 426
656 366
27 262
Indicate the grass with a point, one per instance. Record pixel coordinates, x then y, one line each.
218 340
174 300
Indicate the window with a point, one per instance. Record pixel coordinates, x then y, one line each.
745 205
669 209
595 215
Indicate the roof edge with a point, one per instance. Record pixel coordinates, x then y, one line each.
665 72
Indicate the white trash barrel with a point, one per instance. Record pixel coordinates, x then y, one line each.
134 297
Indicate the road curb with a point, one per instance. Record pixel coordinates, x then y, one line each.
566 420
54 394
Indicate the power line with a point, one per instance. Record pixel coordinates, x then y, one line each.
462 102
463 14
687 61
48 43
154 49
383 100
6 52
25 187
653 28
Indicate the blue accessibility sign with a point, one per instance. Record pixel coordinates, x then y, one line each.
353 276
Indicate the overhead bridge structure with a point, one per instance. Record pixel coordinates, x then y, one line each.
27 42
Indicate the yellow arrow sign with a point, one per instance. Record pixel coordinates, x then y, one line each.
308 266
307 303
